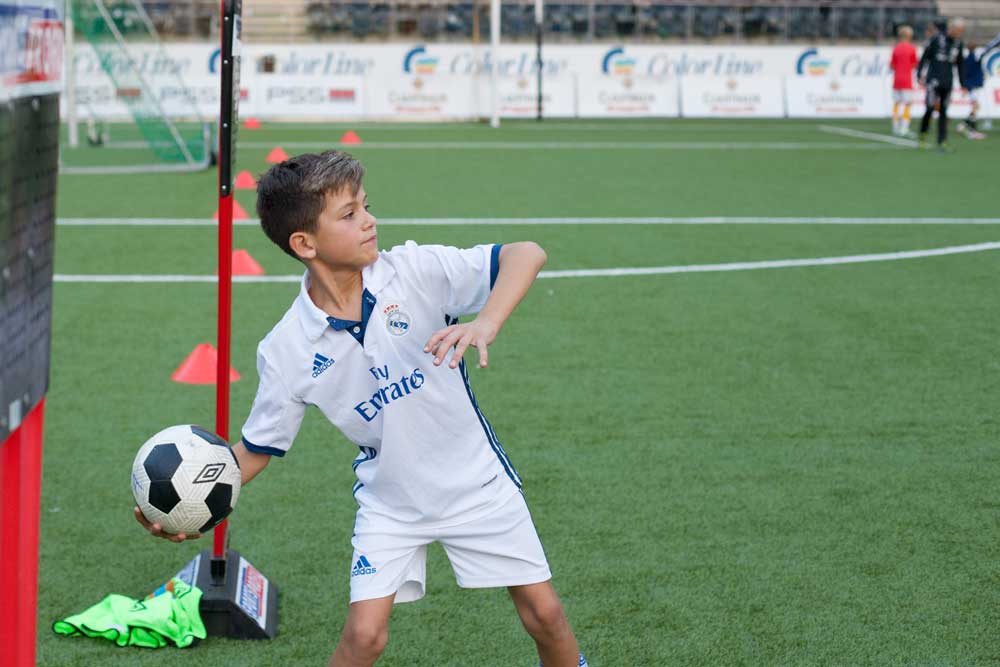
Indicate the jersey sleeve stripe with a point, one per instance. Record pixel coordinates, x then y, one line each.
261 449
494 263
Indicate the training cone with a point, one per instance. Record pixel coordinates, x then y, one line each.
276 155
238 212
350 137
244 181
251 124
199 367
245 265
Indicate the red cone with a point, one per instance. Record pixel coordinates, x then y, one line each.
350 137
277 155
199 367
251 124
244 181
238 212
245 265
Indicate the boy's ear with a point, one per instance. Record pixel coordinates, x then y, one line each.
302 245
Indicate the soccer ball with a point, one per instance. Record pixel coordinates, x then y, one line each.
186 479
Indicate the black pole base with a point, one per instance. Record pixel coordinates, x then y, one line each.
237 600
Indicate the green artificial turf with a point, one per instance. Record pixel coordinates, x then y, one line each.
790 466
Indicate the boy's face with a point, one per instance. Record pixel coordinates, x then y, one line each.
345 235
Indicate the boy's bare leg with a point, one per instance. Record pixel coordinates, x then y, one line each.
543 617
366 632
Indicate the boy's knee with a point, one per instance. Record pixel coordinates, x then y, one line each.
368 640
545 619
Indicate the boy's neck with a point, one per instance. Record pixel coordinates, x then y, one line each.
336 292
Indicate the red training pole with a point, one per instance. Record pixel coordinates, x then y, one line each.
224 341
228 114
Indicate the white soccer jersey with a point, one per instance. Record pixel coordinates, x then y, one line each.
428 454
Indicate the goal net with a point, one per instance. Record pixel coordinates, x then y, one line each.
171 134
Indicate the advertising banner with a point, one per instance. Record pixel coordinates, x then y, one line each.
518 96
728 97
415 96
836 97
304 96
31 48
622 95
453 80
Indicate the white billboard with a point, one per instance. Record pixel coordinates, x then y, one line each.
453 81
834 97
305 97
623 96
727 97
518 96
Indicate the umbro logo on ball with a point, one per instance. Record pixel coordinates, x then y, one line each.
209 473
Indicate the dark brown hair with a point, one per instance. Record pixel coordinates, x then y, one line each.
291 194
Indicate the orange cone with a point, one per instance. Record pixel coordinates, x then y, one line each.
251 124
199 367
238 212
244 181
277 155
245 265
351 138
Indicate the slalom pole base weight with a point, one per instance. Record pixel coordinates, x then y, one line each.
241 603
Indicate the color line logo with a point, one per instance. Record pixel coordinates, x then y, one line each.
417 61
811 63
616 62
992 65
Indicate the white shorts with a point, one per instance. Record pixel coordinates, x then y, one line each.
976 95
499 549
902 95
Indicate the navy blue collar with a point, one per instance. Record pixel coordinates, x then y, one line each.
354 327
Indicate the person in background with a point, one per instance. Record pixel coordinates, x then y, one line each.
904 59
973 65
942 55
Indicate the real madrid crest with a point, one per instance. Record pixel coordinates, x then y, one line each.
397 322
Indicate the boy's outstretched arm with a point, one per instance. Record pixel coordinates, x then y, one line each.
250 465
519 264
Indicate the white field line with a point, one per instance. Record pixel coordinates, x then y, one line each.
547 145
871 136
522 124
581 273
653 220
668 125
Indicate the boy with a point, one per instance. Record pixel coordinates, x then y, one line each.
904 59
367 342
974 80
942 54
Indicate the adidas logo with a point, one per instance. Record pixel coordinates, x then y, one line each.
362 567
320 364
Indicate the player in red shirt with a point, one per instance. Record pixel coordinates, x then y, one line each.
904 59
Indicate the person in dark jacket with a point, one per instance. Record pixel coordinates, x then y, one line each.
973 65
943 54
